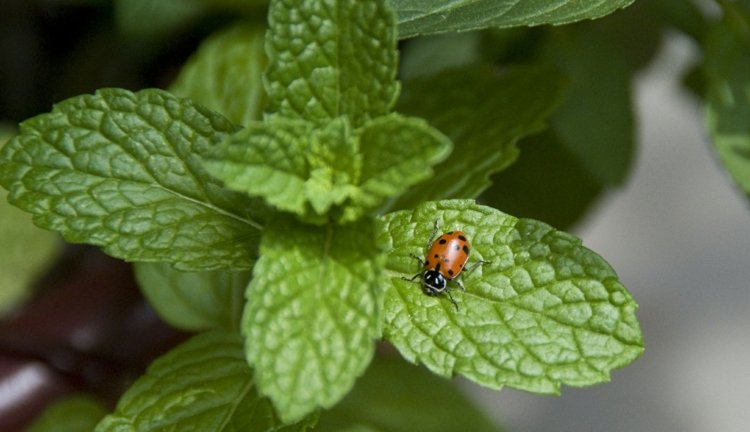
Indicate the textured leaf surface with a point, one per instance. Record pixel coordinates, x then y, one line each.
225 74
417 17
293 166
394 396
728 70
546 311
330 58
331 169
397 152
266 160
335 166
193 300
202 385
485 114
72 414
122 171
312 312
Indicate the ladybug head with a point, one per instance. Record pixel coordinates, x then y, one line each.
433 282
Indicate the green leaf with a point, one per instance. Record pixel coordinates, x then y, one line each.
397 153
160 19
485 114
312 171
334 164
727 67
151 19
26 248
193 301
417 17
202 385
428 55
312 312
77 413
25 252
292 165
265 160
394 396
559 197
686 16
225 74
595 121
544 311
122 171
331 58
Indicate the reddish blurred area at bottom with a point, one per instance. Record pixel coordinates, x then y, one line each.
87 330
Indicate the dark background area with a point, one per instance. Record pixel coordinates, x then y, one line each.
87 328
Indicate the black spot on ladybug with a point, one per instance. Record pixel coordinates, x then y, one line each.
462 238
442 241
437 256
466 249
446 260
458 247
437 267
450 272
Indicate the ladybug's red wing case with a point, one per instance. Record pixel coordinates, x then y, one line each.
445 260
448 254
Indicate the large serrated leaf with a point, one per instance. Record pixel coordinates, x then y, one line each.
193 300
202 385
727 67
331 58
417 17
122 171
485 113
225 74
312 312
544 312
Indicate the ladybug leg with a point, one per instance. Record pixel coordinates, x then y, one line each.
459 283
421 261
475 265
432 237
411 279
451 298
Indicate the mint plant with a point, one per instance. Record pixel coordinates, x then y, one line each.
310 193
728 102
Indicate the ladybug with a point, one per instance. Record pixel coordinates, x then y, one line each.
446 259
